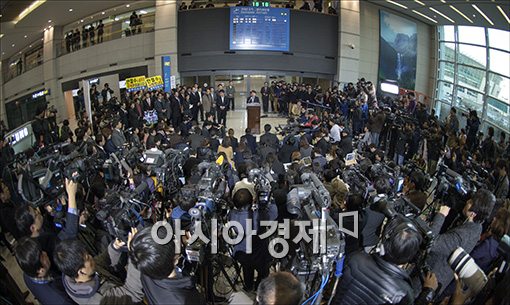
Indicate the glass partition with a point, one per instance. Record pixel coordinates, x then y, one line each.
473 73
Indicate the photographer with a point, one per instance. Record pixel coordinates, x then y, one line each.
81 281
162 281
380 278
34 252
244 196
501 177
29 221
372 219
466 235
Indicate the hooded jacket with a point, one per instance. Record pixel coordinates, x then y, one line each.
93 291
178 291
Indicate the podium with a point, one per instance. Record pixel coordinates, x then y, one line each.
254 118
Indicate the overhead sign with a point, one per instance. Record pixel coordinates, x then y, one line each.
154 83
41 93
136 83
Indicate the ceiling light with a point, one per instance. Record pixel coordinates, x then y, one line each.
102 13
424 16
116 19
504 14
442 15
461 13
443 1
13 45
49 21
3 53
483 14
81 21
70 9
419 2
28 10
396 3
127 5
30 46
1 35
25 36
142 12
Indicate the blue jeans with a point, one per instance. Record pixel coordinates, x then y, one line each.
375 138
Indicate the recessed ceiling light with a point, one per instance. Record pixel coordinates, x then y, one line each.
102 13
81 20
127 5
461 13
42 39
70 9
13 45
474 16
443 1
424 16
396 3
482 13
441 14
504 14
419 2
25 36
30 46
3 53
49 21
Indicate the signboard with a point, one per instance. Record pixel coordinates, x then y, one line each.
259 28
172 82
165 72
154 83
41 93
135 83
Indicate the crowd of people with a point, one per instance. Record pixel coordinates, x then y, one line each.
76 262
315 5
76 40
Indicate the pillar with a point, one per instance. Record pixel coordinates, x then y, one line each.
165 37
52 42
348 41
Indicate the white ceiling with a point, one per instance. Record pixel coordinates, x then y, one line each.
58 12
488 7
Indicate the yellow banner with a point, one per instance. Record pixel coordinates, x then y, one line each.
136 83
155 82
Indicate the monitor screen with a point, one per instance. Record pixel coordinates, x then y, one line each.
259 28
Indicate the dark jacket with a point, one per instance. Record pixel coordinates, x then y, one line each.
465 236
270 139
178 291
251 142
368 279
48 292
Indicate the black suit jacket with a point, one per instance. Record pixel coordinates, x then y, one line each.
220 103
255 100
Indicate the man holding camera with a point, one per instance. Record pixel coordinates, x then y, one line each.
81 281
466 235
379 278
34 252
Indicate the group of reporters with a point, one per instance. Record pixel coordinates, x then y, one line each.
59 267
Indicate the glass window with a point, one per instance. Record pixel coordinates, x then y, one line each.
442 111
499 87
499 39
446 71
499 62
471 77
447 33
472 55
469 99
498 113
472 34
447 51
444 91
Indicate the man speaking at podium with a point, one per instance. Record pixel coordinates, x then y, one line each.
253 99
